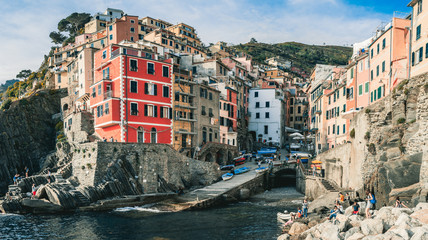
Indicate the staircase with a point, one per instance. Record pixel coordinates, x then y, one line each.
84 201
58 178
329 186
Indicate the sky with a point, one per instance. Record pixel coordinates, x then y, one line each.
25 24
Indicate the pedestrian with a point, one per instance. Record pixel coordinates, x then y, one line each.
299 212
305 208
314 169
355 208
279 156
259 163
370 201
33 190
399 204
333 213
348 198
26 171
104 139
111 139
16 178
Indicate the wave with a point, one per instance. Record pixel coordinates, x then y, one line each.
145 208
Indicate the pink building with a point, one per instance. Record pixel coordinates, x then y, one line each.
388 58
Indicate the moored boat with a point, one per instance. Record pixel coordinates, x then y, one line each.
227 167
242 170
227 176
261 169
285 216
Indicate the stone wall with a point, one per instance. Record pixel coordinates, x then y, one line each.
388 152
146 168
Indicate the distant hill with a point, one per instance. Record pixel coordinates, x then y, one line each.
301 55
3 87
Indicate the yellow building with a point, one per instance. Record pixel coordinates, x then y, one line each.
419 37
185 31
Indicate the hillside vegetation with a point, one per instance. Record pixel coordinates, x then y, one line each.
301 55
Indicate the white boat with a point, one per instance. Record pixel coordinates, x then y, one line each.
285 216
227 176
261 169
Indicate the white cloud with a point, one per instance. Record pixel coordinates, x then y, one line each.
25 24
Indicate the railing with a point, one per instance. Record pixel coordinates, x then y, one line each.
115 53
108 95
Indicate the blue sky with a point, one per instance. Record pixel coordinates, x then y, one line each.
25 24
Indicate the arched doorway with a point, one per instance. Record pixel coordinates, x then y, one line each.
153 136
229 157
210 136
209 158
220 157
65 107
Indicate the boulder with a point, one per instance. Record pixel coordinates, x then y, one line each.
312 223
420 233
330 231
40 205
403 221
355 236
421 215
422 205
348 211
400 232
398 211
283 237
343 222
297 228
375 237
372 226
387 217
353 231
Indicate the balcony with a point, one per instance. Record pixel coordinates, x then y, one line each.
59 61
318 112
108 95
183 106
177 118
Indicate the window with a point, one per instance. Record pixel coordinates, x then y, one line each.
366 87
256 94
210 96
257 104
267 104
377 48
383 66
291 119
379 93
150 89
150 110
134 109
134 86
371 53
371 97
329 100
210 112
266 129
133 65
99 89
132 39
165 92
344 108
266 114
384 43
150 68
421 54
257 115
299 109
94 93
418 32
291 110
106 73
132 29
344 91
107 109
111 37
99 111
352 73
166 112
377 70
203 112
165 71
419 6
344 128
371 75
328 130
413 58
104 54
426 50
334 128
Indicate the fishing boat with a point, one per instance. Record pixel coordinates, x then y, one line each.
227 167
261 169
242 170
227 176
285 216
239 160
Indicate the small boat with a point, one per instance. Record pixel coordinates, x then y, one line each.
227 167
285 216
227 176
261 169
239 161
242 170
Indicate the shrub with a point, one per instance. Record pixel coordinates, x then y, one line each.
413 121
401 120
93 149
368 110
83 167
367 136
84 150
352 133
6 104
89 166
406 91
59 126
372 149
60 136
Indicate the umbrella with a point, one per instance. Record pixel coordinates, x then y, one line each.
296 135
298 138
317 162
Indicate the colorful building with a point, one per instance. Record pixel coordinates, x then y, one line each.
419 38
131 97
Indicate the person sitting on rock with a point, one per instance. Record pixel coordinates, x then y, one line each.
16 179
339 207
355 208
399 204
333 213
299 212
33 190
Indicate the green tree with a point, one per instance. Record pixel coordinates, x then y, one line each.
73 23
24 74
57 37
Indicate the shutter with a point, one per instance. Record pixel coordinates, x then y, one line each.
155 89
145 110
170 113
161 112
155 111
146 88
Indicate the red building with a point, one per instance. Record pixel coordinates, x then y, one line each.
131 96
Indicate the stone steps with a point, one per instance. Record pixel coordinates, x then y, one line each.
81 198
330 187
59 178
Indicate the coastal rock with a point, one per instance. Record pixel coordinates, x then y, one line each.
398 211
352 232
355 220
330 231
420 233
297 228
399 231
420 206
283 237
387 217
40 205
405 222
421 215
244 194
355 236
372 226
348 211
312 223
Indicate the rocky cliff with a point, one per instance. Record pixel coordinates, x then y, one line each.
388 154
27 134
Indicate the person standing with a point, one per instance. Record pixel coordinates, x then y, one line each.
305 208
369 205
33 190
26 171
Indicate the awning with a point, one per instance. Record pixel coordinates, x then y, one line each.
296 135
289 129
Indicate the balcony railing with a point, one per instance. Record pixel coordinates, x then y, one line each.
115 53
108 95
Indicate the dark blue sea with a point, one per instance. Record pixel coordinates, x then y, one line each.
254 219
